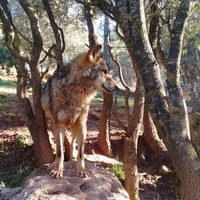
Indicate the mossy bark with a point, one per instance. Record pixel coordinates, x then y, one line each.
168 111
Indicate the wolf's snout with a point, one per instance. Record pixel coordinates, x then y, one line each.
117 88
109 89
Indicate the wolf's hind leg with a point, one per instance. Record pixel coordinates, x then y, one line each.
59 134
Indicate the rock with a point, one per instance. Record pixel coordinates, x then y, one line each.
100 184
7 193
102 161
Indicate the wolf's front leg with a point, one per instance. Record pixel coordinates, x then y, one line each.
80 157
59 134
79 130
73 147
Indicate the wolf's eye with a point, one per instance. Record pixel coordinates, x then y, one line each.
105 71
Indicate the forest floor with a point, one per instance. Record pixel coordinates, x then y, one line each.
17 154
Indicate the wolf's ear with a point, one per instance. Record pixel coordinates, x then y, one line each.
94 53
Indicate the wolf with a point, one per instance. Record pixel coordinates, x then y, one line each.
66 99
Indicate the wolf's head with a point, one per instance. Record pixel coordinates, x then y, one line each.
99 71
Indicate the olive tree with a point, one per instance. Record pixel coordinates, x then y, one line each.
168 110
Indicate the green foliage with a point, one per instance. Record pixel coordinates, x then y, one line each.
121 101
7 84
5 56
5 100
16 156
99 96
23 140
15 177
5 96
118 170
16 151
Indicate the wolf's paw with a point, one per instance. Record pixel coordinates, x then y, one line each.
73 159
83 174
56 173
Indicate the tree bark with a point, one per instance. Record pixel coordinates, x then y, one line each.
104 125
150 134
92 36
184 154
42 146
130 144
169 114
153 29
39 133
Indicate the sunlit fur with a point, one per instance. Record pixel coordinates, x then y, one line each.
66 100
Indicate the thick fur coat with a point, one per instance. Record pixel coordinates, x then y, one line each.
66 99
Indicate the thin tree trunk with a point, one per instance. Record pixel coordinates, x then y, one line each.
130 144
40 136
92 36
104 125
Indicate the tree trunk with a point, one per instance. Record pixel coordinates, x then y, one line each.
41 144
150 134
38 126
40 140
92 37
170 116
153 28
130 144
104 125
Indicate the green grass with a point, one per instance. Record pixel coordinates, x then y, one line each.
7 84
99 96
15 177
6 98
118 170
18 159
16 153
23 140
120 100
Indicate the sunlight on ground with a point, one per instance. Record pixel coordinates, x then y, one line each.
7 90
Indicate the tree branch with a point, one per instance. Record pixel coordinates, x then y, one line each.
123 83
106 7
11 36
48 53
116 118
62 39
35 30
25 38
56 29
161 53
